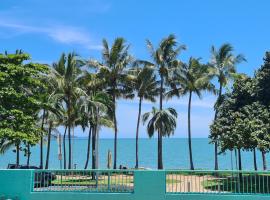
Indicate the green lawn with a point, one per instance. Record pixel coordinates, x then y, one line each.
88 181
246 184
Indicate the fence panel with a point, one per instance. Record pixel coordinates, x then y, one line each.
218 182
102 181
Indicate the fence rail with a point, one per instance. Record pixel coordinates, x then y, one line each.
218 182
119 181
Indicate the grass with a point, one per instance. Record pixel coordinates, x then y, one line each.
246 184
88 181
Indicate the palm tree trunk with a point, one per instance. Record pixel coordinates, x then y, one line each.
64 148
49 146
115 132
137 134
41 140
88 147
69 134
94 148
255 159
17 154
160 159
97 138
94 152
28 155
264 160
216 143
189 133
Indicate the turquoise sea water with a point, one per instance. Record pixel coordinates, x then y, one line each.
175 154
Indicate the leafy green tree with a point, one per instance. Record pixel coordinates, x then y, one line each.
145 85
223 64
20 83
188 79
113 69
262 92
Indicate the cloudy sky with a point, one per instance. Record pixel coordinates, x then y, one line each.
45 29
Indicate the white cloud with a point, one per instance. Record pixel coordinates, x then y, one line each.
61 34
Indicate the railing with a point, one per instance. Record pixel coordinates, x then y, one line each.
119 181
218 182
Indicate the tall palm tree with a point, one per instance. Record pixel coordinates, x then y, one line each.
190 78
67 72
161 121
112 69
97 103
54 115
223 68
146 86
165 59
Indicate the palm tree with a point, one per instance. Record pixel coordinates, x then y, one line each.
223 68
67 72
165 59
161 121
146 86
112 69
54 116
95 105
188 79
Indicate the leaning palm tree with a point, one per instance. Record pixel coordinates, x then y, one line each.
160 121
223 68
67 73
165 59
112 69
188 79
145 85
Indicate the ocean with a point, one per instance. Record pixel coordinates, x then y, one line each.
175 154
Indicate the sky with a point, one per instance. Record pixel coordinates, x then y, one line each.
45 29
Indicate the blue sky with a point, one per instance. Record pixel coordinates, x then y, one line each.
45 29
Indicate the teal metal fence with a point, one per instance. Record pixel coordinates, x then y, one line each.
119 181
218 182
133 185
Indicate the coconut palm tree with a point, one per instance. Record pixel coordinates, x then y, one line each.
54 119
146 86
223 68
188 79
112 69
165 59
67 72
160 121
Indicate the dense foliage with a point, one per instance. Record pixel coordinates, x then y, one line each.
243 115
20 100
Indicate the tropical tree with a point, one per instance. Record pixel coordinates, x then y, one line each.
164 61
112 69
161 121
187 79
146 86
54 119
19 100
67 73
223 69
